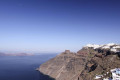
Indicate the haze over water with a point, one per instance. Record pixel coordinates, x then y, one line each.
23 67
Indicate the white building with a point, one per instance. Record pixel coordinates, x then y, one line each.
98 76
115 48
115 74
111 44
93 46
106 47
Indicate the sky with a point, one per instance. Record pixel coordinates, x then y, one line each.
50 26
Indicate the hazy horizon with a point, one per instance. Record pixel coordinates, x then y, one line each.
52 26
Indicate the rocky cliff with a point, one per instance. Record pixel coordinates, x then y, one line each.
83 65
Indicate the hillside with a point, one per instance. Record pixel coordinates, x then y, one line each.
86 64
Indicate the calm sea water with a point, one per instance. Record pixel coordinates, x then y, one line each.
23 68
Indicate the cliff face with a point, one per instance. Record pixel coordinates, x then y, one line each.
83 65
100 64
66 66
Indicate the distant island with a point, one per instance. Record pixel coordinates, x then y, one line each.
15 54
92 62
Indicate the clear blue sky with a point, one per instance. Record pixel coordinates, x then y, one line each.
56 25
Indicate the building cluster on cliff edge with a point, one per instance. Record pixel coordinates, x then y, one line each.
112 46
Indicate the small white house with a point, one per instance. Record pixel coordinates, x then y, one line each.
106 47
93 46
98 76
115 48
111 44
105 79
116 73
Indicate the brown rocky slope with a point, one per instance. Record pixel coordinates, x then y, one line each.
83 65
66 66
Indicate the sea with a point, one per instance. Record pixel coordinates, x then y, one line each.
23 67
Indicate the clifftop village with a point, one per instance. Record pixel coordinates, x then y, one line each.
112 46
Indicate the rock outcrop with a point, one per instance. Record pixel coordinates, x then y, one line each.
83 65
66 66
